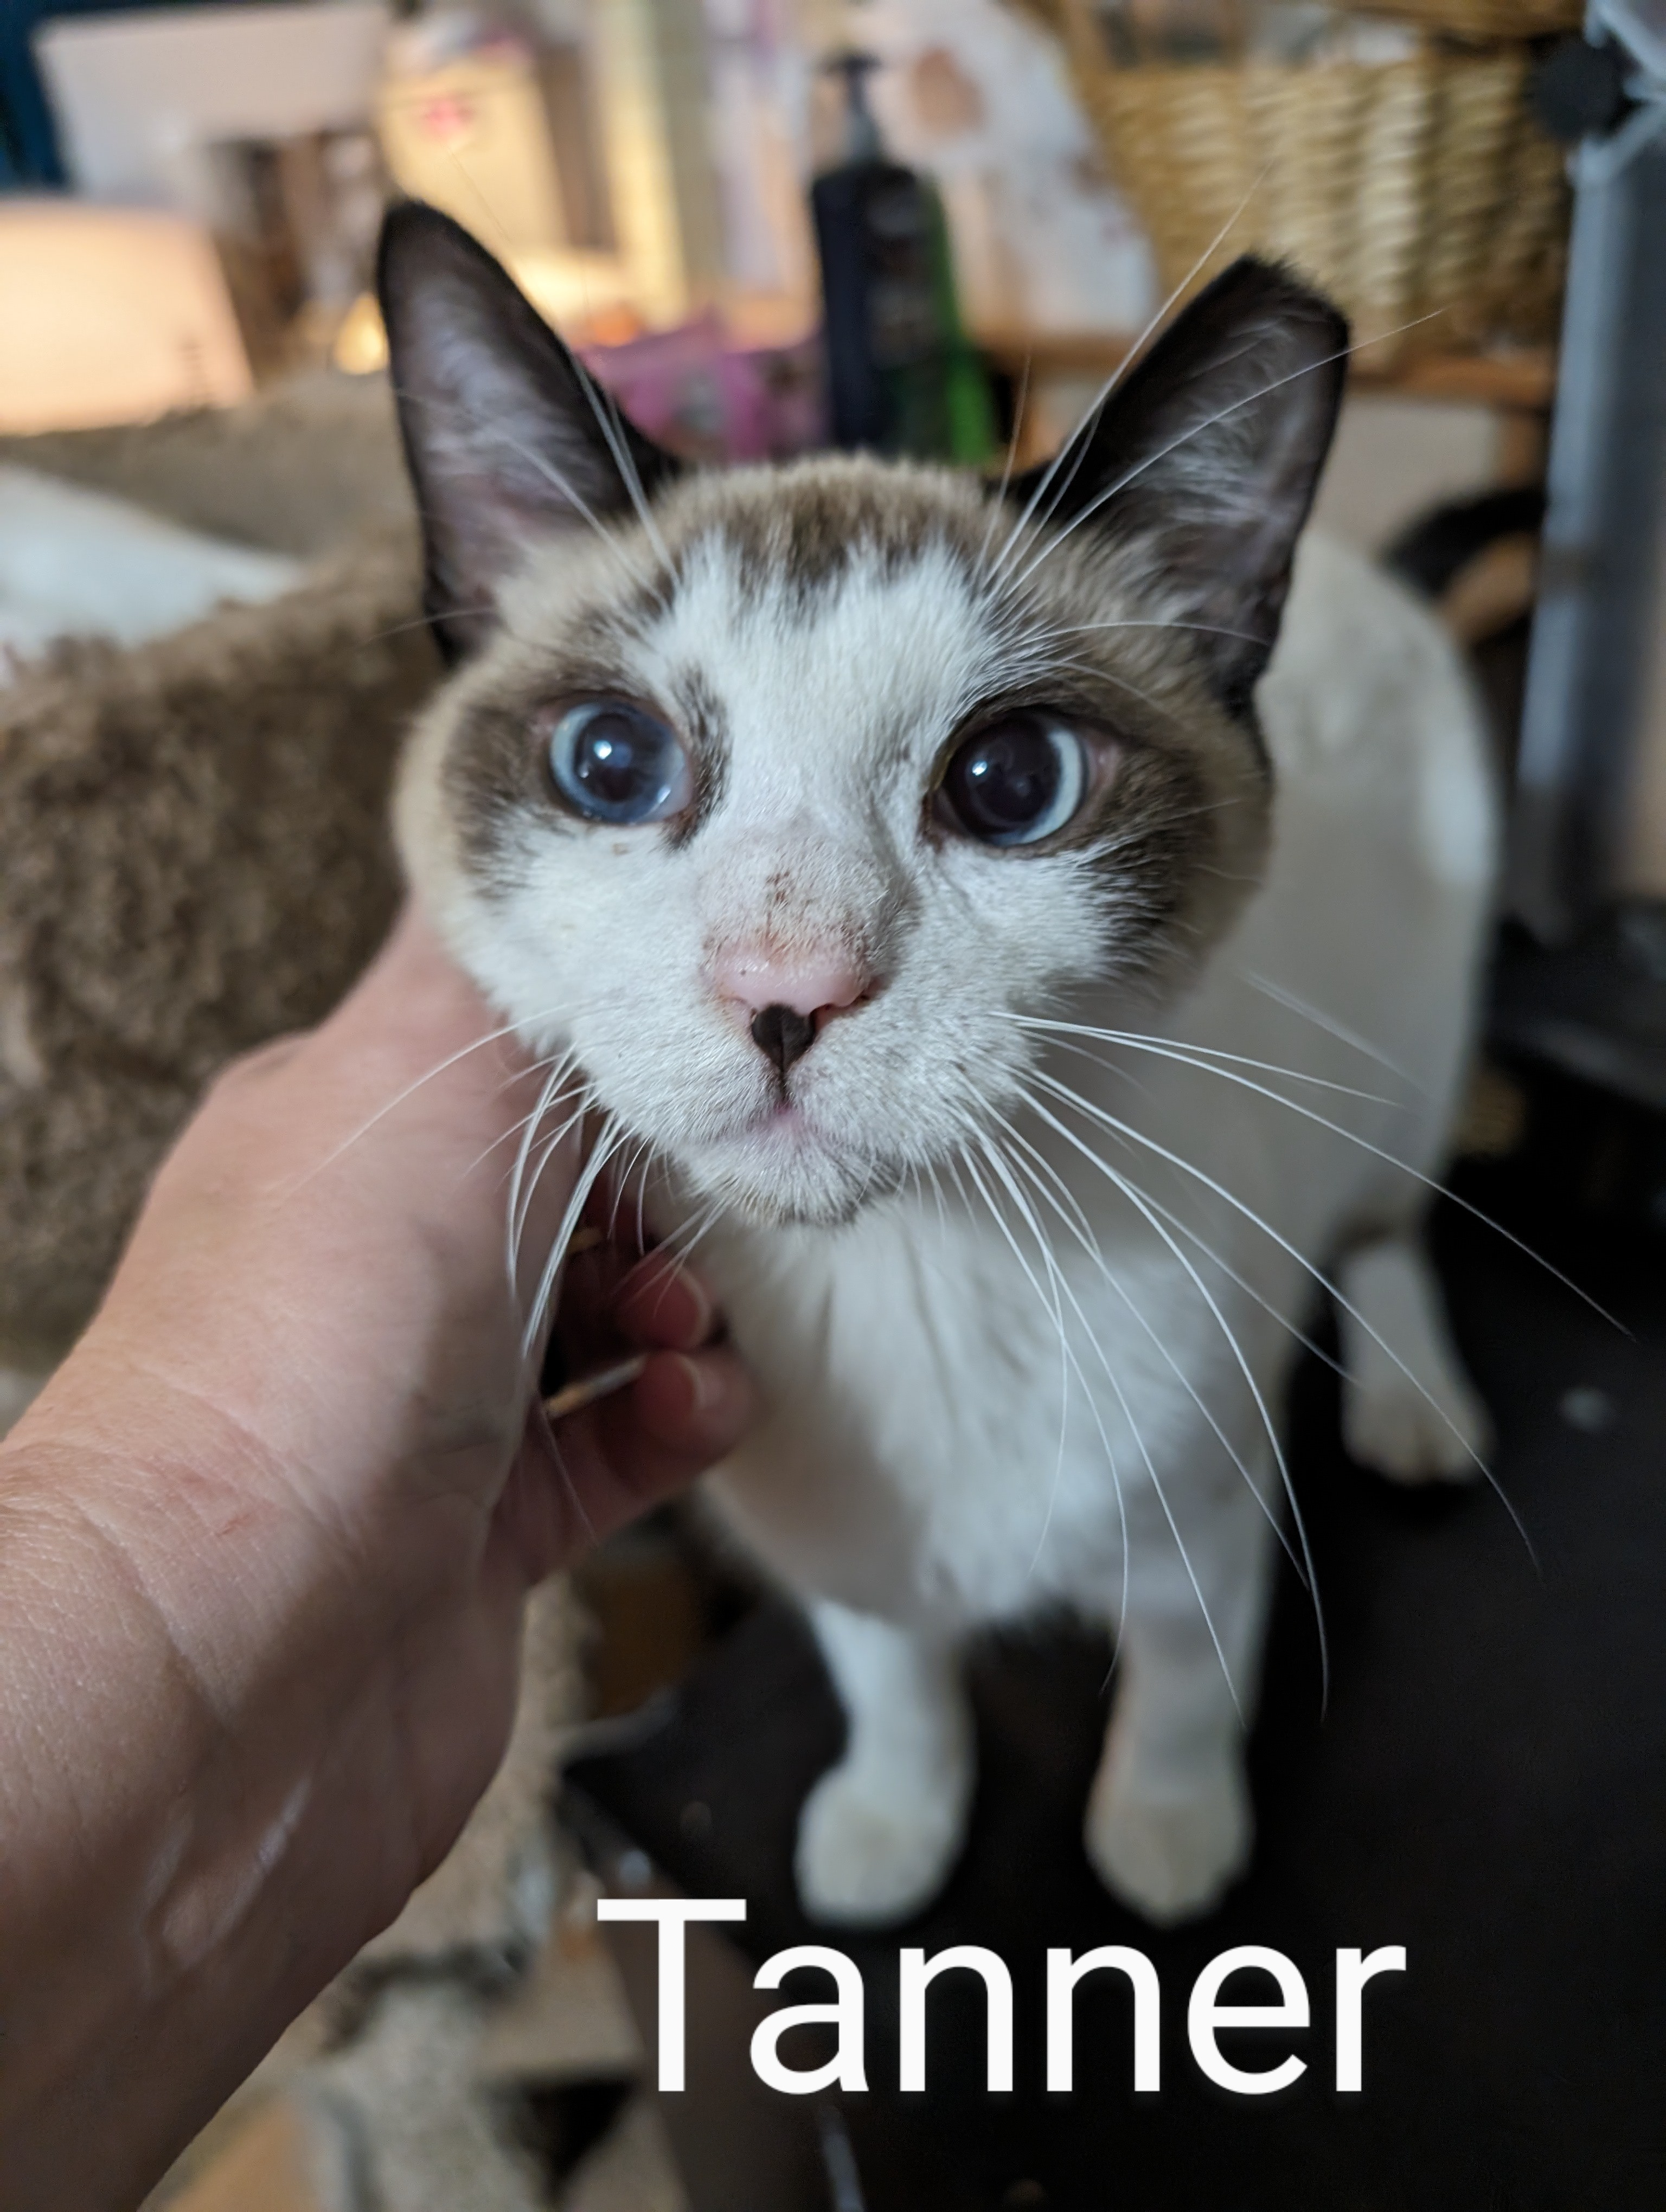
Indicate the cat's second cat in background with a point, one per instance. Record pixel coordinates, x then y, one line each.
1021 989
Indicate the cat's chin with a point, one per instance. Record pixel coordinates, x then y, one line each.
766 1205
803 1186
759 1210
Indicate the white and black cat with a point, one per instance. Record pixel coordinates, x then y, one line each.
1021 987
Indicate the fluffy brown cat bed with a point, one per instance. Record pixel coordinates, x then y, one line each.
193 849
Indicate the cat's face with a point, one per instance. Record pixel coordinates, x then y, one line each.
779 794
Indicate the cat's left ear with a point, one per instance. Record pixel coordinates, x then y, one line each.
506 436
1206 457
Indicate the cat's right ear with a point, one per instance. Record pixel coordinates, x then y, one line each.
1205 457
507 438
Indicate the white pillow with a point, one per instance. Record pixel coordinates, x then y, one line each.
77 563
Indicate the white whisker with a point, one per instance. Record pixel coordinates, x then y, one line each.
1136 1199
542 467
1331 1027
1077 443
999 500
1066 1357
1083 1232
619 446
409 1091
1163 1502
1186 1167
1062 1284
512 1226
1182 1228
1390 1159
1103 498
606 1144
516 1128
1190 1056
691 1232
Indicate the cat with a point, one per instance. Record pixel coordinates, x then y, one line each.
1019 984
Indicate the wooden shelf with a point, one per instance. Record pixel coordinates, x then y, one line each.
1521 380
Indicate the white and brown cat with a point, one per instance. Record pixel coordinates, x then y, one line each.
1022 979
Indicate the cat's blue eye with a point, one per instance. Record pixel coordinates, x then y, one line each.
1016 781
614 762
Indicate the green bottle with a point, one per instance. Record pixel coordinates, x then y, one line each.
902 377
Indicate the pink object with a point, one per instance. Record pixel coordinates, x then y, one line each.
711 401
820 984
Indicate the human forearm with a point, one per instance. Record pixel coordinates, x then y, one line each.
185 1757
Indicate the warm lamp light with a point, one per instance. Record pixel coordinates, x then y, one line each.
361 344
111 315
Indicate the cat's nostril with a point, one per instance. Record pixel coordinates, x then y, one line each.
783 1035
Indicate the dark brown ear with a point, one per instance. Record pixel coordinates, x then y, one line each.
507 438
1206 455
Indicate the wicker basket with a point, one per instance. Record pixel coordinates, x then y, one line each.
1418 192
1481 20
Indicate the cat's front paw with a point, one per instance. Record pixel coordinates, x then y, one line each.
1408 1410
1170 1851
1398 1431
875 1848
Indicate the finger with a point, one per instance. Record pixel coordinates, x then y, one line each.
662 1304
693 1406
617 1459
684 1412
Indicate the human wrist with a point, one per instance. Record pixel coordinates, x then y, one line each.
197 1784
209 1549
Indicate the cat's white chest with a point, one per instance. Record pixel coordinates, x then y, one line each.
936 1448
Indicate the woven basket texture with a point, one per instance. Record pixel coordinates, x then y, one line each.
1477 19
1419 193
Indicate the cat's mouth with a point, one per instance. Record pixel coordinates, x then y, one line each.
783 1122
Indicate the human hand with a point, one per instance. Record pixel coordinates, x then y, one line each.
291 1467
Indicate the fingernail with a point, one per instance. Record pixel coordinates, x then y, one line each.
678 1306
703 1385
703 1311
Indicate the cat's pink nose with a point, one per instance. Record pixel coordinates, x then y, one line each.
806 984
789 996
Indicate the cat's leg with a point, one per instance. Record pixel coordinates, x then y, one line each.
880 1830
1408 1410
1169 1823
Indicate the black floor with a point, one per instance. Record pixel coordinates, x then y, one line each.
1487 1787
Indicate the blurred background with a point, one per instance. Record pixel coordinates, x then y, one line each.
926 227
930 226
